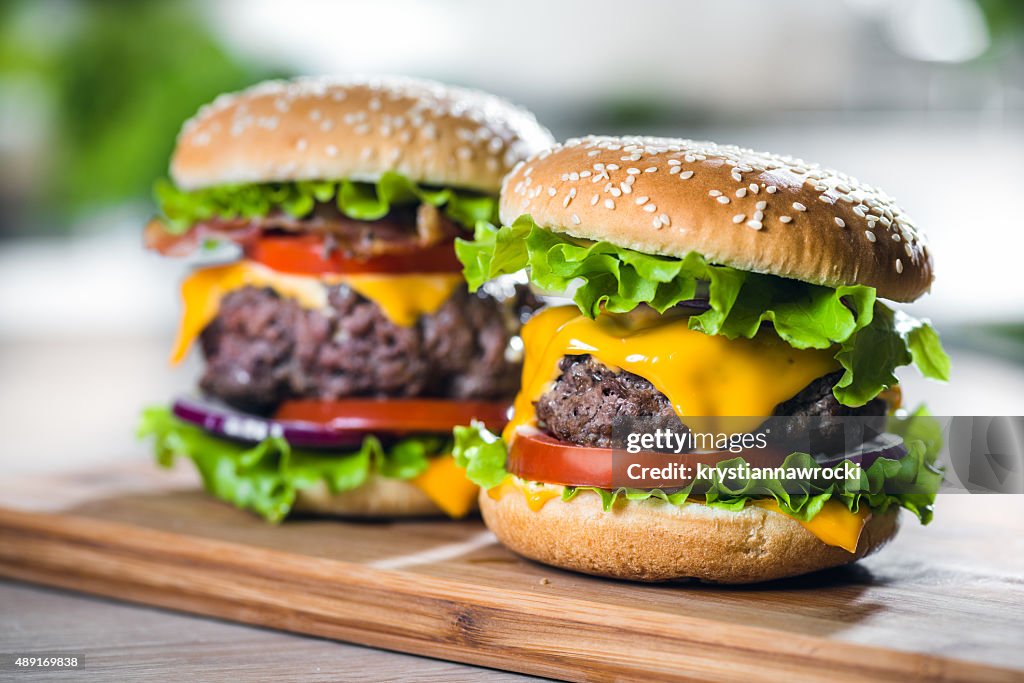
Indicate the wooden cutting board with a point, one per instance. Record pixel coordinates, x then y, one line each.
945 602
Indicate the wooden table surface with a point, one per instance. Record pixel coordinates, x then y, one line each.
122 642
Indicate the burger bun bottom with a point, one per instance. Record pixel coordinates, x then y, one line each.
656 541
378 498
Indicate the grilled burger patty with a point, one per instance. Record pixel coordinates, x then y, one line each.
581 404
263 349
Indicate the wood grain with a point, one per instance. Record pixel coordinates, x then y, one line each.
136 644
943 603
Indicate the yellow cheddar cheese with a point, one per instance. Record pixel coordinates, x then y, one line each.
402 297
704 376
446 484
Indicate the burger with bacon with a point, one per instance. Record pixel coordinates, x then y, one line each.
715 291
340 343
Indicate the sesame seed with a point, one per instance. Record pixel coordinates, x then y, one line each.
575 219
753 188
664 219
552 192
331 151
656 224
616 192
626 188
799 207
672 170
612 167
633 171
739 218
840 222
899 266
758 215
771 189
761 206
609 204
650 169
785 219
736 176
650 208
754 225
642 199
686 175
301 144
722 200
585 174
714 193
870 235
895 237
674 162
742 192
595 199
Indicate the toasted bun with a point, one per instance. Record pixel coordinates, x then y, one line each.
750 210
656 541
379 497
329 129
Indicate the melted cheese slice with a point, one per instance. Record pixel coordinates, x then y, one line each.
705 377
445 483
833 525
402 297
535 497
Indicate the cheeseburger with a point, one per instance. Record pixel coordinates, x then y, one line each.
340 343
715 291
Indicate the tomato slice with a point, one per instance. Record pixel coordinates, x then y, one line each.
395 415
307 255
535 456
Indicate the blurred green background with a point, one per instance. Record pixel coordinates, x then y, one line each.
101 87
922 97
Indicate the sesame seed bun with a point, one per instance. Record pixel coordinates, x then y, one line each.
357 129
749 210
378 498
655 541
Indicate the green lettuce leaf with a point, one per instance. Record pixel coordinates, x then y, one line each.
265 478
910 482
358 200
871 341
481 453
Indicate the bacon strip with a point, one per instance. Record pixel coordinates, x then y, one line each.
403 230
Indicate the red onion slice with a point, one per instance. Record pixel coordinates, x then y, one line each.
232 424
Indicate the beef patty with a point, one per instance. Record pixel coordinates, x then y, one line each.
581 404
263 349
